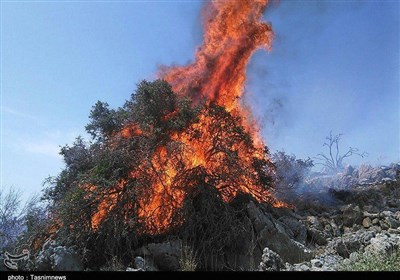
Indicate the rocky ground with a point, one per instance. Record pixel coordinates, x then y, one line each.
355 214
335 221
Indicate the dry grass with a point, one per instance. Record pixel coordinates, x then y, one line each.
114 264
188 260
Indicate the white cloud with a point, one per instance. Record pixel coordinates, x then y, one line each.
43 147
16 113
37 138
48 143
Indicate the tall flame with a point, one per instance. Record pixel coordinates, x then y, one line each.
233 31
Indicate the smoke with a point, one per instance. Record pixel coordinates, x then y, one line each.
268 98
333 66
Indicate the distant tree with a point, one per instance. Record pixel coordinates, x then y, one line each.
12 214
333 162
20 223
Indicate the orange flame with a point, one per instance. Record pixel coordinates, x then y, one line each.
108 199
233 31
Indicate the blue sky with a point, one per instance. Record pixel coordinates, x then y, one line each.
334 66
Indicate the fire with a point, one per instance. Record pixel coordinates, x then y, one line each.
129 130
233 31
108 199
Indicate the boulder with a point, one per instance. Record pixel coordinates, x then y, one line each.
394 230
367 222
259 219
369 174
346 262
382 245
271 261
344 181
141 264
300 267
347 246
370 215
53 257
290 251
330 262
313 221
294 228
65 259
348 171
392 222
354 257
385 214
335 229
134 269
383 225
317 237
271 234
316 263
365 236
352 215
164 255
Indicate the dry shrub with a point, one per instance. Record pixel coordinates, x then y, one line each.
188 261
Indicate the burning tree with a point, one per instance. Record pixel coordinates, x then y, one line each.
146 160
172 139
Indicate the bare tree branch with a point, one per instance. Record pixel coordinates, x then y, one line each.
335 163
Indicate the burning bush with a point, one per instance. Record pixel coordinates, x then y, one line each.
148 159
145 160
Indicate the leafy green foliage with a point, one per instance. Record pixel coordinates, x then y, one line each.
103 121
